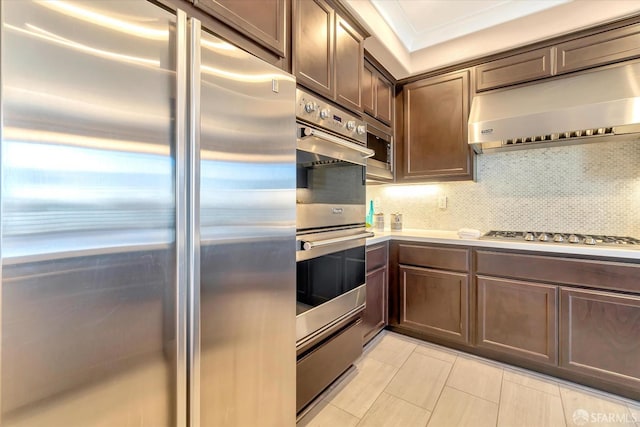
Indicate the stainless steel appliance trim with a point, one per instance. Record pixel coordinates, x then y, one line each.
317 251
308 245
181 220
309 131
194 222
323 215
378 169
315 321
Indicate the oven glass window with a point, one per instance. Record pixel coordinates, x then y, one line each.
326 277
380 146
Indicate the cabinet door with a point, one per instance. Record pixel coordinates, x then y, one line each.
262 20
520 68
374 316
600 335
518 318
599 49
435 145
369 88
384 97
349 62
313 46
435 303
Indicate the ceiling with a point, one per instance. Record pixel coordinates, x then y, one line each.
413 36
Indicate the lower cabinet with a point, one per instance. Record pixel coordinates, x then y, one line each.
518 318
600 335
435 302
374 317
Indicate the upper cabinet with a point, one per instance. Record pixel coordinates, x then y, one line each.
263 21
328 53
594 50
599 49
377 94
433 144
523 67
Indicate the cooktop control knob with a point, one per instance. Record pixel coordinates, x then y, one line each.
574 239
558 238
589 240
544 237
361 130
529 237
324 113
351 125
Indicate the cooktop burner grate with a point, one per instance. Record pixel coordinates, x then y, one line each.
554 237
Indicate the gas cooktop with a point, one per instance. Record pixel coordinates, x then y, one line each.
577 239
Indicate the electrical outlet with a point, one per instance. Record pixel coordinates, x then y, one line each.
376 204
442 202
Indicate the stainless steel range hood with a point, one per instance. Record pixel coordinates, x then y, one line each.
590 107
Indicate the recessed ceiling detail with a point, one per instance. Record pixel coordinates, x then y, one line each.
423 23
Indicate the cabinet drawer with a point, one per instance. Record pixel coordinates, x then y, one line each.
600 335
580 272
599 49
316 370
518 318
520 68
434 257
376 257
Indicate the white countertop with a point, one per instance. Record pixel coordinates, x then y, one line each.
451 238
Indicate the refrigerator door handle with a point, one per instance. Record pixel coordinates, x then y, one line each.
181 218
193 185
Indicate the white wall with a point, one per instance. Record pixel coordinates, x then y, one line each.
591 189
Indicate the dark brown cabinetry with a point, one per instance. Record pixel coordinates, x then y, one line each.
374 317
430 292
598 49
328 53
434 136
514 69
377 94
435 302
518 318
600 335
264 21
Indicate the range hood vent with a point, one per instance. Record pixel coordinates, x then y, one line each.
595 106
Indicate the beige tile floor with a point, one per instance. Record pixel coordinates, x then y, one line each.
403 382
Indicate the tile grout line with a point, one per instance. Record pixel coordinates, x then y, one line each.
502 380
435 405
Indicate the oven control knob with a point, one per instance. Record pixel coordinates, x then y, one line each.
324 113
574 239
558 238
309 107
544 237
361 130
588 240
351 125
529 237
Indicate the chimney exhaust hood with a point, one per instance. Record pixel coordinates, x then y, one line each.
589 107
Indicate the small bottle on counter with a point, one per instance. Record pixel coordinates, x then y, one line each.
396 221
379 221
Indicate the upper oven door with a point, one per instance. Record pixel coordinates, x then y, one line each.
330 184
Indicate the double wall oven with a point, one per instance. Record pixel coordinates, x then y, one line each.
330 202
331 160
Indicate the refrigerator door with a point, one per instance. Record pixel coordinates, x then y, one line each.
245 188
90 309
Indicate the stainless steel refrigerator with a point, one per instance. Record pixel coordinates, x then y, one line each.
147 222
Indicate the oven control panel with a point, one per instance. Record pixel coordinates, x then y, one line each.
321 113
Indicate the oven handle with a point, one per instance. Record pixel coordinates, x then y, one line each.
307 246
366 152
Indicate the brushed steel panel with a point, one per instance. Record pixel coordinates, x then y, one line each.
88 214
247 239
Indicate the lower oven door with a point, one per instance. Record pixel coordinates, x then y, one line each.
330 280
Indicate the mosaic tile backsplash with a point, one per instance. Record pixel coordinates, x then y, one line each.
590 189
